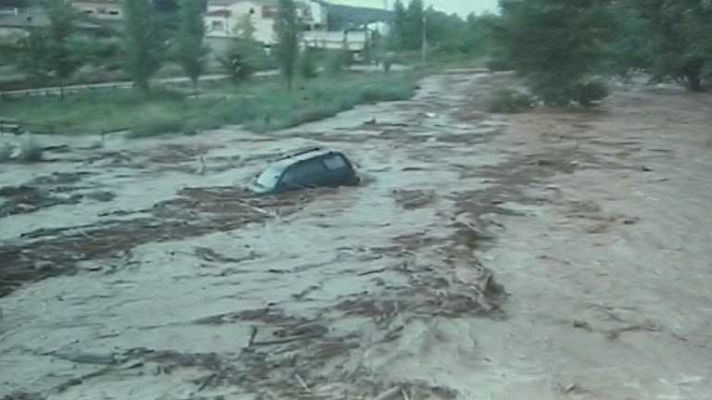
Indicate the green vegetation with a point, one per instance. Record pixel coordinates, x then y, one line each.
61 58
510 101
307 64
336 61
557 46
52 52
245 55
262 105
286 49
30 150
444 35
680 33
34 56
143 50
190 52
566 49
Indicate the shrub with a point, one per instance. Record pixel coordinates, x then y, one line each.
589 93
337 62
157 126
497 64
585 94
510 101
30 150
242 59
387 59
307 64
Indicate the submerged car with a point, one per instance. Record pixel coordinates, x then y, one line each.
306 169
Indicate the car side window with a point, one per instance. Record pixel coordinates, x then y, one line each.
335 162
291 178
304 174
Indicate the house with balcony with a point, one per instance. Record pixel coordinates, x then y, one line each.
222 17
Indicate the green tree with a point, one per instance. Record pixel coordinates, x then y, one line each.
479 34
244 55
245 28
414 19
632 48
62 58
33 60
190 50
142 47
307 64
681 33
559 46
446 33
397 34
286 27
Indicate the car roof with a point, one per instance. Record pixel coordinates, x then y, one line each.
294 158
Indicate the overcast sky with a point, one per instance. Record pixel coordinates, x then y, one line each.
462 7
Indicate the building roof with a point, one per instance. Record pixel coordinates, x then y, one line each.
301 155
219 13
222 2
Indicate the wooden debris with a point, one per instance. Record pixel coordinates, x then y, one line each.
582 325
373 271
207 381
389 394
301 382
405 394
252 337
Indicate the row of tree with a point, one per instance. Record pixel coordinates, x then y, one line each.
55 52
564 48
413 26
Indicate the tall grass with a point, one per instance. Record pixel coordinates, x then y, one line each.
261 105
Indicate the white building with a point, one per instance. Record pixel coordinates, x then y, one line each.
101 9
223 17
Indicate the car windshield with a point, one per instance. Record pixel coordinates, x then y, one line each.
269 178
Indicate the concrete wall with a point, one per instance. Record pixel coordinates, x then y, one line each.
353 40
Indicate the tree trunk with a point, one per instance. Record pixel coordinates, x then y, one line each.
693 75
694 82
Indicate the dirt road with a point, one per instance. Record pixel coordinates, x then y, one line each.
546 255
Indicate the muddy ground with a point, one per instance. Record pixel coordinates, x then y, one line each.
546 255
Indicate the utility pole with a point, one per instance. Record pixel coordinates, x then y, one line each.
424 38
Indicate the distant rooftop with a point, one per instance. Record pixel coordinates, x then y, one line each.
35 18
219 13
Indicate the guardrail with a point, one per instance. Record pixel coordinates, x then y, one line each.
56 91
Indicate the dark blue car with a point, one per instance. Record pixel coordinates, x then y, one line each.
306 169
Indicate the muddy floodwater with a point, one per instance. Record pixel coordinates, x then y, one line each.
544 255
